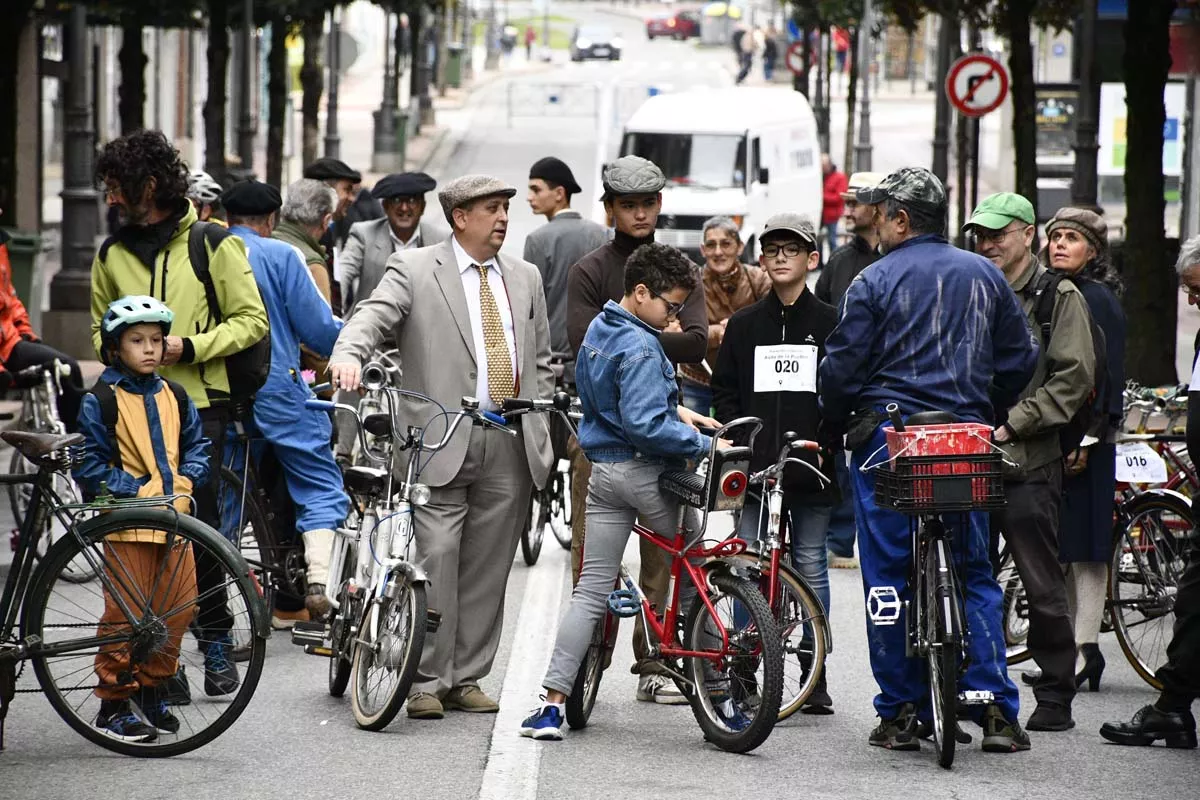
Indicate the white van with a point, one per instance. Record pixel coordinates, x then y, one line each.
745 152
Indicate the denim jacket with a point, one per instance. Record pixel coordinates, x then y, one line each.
629 395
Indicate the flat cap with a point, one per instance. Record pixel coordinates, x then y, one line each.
632 175
788 222
330 169
996 211
861 180
461 191
555 172
251 199
403 184
1090 224
915 185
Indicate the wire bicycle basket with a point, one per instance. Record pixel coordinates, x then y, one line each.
933 469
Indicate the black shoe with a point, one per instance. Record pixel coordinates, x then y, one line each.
1050 717
116 719
1001 735
1031 677
177 691
819 703
1175 728
1093 667
241 653
220 673
151 701
896 733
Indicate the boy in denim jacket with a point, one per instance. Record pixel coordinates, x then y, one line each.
633 429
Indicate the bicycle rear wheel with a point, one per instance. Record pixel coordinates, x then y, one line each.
246 525
341 626
943 642
384 670
535 530
1149 556
127 626
738 692
587 681
1016 610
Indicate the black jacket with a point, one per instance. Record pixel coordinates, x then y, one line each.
769 322
843 267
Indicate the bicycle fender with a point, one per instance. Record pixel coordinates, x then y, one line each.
412 573
1140 497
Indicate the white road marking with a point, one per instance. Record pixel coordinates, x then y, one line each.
513 761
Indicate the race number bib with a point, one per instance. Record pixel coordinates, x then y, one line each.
1138 462
785 368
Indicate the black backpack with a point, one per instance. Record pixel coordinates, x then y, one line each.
1094 411
107 399
247 369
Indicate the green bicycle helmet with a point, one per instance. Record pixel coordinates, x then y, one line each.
132 310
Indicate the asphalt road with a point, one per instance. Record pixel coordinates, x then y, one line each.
294 741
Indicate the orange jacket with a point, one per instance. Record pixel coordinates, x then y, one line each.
14 319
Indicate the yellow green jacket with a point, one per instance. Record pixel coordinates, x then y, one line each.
201 369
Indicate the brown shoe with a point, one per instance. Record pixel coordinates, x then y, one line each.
423 705
470 699
286 620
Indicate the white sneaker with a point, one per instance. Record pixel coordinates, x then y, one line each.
659 689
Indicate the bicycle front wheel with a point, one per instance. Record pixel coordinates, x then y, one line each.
535 530
120 636
560 508
942 642
739 688
1016 610
384 670
587 681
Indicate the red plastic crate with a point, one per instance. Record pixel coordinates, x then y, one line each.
939 450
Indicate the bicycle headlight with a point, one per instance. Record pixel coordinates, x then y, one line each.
419 494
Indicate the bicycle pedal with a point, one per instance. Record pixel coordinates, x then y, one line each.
310 634
623 603
318 650
433 621
976 698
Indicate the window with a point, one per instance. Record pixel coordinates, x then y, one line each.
710 161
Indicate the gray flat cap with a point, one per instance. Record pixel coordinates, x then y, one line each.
632 175
786 222
461 191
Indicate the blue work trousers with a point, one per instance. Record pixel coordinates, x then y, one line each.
885 551
841 521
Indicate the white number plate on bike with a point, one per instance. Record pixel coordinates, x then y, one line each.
1138 462
785 368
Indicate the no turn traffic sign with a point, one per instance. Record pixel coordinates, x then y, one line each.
977 84
795 58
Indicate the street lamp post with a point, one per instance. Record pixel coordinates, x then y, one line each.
941 124
819 100
421 51
246 128
1084 183
386 157
333 142
862 151
70 290
492 61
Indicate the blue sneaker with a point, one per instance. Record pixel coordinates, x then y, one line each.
116 719
731 714
544 723
220 673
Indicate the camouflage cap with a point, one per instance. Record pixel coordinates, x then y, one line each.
915 185
632 175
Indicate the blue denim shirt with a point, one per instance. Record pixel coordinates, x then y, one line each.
629 395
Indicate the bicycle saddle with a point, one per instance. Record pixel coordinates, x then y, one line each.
932 418
686 487
36 446
364 480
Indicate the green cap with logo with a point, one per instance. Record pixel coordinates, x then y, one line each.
996 211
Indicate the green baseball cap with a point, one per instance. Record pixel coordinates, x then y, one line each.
998 210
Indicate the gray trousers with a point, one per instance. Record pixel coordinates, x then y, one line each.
466 536
618 494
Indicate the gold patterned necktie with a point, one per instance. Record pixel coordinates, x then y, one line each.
499 363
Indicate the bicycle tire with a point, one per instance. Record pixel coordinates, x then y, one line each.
535 529
759 647
582 699
91 534
1155 568
269 559
942 647
1015 618
67 491
560 515
341 640
798 606
410 656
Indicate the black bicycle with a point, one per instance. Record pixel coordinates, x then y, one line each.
550 506
149 560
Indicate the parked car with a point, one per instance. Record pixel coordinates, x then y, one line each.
677 25
595 41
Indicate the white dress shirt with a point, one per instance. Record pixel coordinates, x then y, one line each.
413 242
470 282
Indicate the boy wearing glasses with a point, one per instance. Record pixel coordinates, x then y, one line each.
767 368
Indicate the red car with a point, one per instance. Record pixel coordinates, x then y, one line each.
681 25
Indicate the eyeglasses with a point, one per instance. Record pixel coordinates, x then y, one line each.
790 249
404 200
673 309
995 237
724 244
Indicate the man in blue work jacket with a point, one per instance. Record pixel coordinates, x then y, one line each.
930 328
298 436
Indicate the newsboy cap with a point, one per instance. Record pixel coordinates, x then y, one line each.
915 185
788 222
461 191
251 199
1090 224
554 171
632 175
331 169
403 184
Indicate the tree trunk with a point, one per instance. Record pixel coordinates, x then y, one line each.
312 81
277 94
215 104
131 96
848 165
416 53
1150 293
10 40
1024 127
801 82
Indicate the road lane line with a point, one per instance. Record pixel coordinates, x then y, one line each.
513 761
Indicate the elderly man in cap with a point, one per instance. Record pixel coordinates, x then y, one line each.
298 436
471 323
1003 228
372 243
936 331
338 176
633 199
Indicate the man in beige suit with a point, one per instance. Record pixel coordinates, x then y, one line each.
479 329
